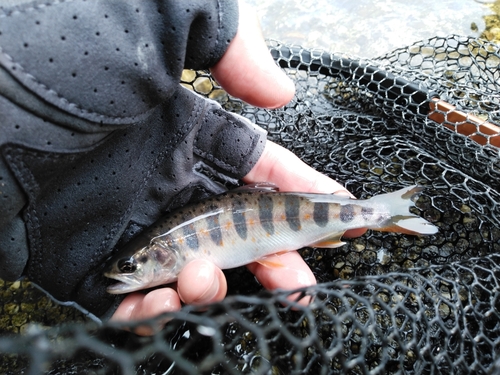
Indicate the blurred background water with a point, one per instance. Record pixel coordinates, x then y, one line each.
370 28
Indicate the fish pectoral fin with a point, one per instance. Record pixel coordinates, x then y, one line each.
263 187
330 242
271 261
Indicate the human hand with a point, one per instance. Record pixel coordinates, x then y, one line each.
248 72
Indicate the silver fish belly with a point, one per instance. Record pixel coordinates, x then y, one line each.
240 227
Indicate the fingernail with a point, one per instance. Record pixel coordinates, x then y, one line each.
206 276
344 192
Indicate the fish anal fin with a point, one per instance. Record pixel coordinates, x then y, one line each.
258 187
330 242
271 261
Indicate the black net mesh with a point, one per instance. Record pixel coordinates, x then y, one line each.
386 303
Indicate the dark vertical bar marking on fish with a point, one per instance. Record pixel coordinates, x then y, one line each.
347 213
367 213
320 213
190 235
239 220
213 224
266 213
292 212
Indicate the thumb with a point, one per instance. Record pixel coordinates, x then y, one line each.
247 70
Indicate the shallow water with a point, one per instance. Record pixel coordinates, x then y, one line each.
368 28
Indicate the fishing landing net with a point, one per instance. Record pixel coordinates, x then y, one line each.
386 303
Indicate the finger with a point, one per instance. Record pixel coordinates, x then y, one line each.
139 306
200 282
295 274
283 168
247 69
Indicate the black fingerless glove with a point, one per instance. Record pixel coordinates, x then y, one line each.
98 139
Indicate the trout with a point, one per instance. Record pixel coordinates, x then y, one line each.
249 223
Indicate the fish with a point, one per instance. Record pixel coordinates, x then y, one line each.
251 223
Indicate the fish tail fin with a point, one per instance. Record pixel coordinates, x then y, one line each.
401 220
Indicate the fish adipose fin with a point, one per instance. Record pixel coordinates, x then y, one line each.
401 220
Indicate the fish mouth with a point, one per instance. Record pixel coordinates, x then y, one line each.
122 286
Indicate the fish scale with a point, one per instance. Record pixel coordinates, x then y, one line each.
241 227
267 223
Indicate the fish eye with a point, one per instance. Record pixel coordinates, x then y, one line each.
127 265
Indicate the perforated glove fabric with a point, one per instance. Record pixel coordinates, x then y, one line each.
97 137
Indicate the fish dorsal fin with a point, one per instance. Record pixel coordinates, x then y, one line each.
330 242
263 187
